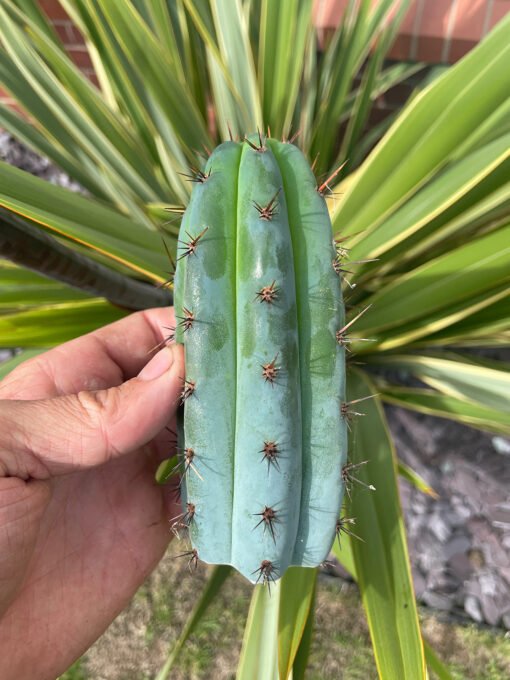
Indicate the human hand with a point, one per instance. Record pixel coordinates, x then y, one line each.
82 521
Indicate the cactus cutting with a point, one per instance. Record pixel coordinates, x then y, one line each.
259 308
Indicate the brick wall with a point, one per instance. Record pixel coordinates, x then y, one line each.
69 35
434 31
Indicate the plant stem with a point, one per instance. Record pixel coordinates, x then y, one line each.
30 247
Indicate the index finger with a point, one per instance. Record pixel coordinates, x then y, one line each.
104 358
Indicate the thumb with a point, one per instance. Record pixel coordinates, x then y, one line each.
56 436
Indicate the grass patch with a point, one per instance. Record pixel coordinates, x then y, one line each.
470 651
76 672
138 641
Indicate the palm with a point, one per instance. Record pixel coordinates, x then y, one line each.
103 532
103 529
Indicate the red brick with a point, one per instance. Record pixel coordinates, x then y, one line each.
80 56
75 37
430 21
430 49
459 48
500 9
61 31
91 76
53 9
328 13
401 48
407 24
68 33
434 19
469 20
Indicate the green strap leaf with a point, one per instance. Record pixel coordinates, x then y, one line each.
361 28
437 404
31 247
483 328
457 376
83 220
435 664
423 136
21 288
381 559
418 329
303 651
259 653
141 48
280 60
438 197
297 594
454 278
33 138
406 472
49 325
223 28
78 108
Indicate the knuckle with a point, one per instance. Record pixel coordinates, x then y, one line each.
100 410
95 406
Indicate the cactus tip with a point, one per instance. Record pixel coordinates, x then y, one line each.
261 147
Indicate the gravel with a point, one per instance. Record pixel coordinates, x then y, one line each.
460 543
13 152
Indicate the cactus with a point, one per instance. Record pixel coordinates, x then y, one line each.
259 310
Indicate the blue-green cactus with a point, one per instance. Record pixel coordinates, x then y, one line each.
259 309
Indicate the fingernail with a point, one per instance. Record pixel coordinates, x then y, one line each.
158 365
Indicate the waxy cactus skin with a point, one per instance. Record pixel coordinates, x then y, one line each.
258 305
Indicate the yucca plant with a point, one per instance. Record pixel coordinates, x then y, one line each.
426 214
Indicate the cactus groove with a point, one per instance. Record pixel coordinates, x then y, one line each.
259 308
